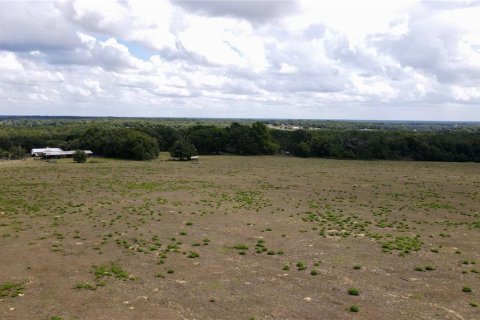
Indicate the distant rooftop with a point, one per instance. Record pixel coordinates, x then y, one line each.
44 150
54 152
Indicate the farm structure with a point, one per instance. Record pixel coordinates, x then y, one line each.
55 153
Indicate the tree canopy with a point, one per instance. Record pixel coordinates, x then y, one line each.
183 150
141 139
120 143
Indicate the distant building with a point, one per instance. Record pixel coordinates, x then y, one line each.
290 127
40 151
55 153
286 127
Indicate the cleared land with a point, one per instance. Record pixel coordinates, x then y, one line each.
239 238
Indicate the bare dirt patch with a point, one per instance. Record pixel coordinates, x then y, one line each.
239 238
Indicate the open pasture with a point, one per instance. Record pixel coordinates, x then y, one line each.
239 238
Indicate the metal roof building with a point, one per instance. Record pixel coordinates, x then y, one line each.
55 153
39 151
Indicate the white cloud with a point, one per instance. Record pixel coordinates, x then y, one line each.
375 87
286 68
301 59
147 22
465 93
9 62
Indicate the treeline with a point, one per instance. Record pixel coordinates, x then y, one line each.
387 145
138 140
143 139
342 125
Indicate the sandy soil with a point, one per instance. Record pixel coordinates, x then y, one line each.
64 225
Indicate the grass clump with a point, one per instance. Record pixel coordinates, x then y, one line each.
354 308
11 289
466 289
241 247
193 254
85 285
301 265
403 244
109 270
353 292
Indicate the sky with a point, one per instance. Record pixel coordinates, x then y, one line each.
369 60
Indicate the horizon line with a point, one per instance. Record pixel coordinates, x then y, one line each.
233 118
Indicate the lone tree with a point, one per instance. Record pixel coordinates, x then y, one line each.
182 150
80 156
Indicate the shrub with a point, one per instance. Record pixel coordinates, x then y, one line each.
354 309
466 289
193 254
182 150
80 156
301 266
353 292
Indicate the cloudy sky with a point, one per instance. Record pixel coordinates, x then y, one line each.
251 59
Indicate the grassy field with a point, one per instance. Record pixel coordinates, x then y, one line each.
239 238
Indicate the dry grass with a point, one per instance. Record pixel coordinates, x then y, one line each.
224 238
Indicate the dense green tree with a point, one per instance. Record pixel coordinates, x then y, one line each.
250 140
183 150
301 149
120 143
208 139
165 136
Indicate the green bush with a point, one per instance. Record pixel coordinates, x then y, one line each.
182 150
354 309
80 156
353 292
467 289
